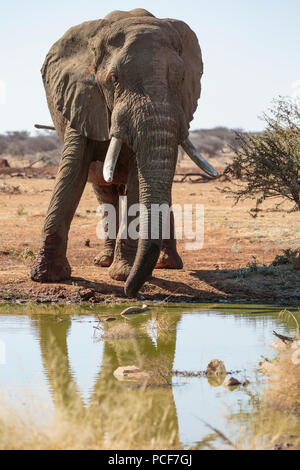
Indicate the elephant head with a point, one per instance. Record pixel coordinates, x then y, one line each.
135 79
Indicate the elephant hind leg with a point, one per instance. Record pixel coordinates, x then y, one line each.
126 247
107 195
106 256
169 257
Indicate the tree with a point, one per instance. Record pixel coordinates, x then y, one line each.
212 141
21 143
267 164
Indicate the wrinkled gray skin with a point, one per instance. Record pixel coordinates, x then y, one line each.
130 76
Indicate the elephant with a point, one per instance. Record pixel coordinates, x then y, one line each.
122 92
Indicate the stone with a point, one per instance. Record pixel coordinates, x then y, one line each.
4 163
130 373
232 382
216 367
86 294
131 310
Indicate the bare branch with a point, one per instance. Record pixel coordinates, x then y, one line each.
41 126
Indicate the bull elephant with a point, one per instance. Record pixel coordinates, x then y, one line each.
121 92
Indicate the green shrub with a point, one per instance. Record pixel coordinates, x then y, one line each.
267 165
288 257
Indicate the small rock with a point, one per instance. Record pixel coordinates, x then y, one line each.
86 294
216 367
232 382
130 373
4 163
131 310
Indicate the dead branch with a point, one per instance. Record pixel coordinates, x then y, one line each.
285 339
41 126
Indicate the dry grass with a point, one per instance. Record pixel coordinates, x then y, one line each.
275 422
271 424
159 370
162 324
121 330
268 429
283 392
10 188
126 421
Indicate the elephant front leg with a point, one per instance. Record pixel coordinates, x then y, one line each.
51 263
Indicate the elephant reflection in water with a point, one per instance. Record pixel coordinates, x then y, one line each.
152 409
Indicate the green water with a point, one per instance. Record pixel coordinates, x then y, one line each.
55 354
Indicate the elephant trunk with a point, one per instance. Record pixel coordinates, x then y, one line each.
156 155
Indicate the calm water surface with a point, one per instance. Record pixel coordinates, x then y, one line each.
45 351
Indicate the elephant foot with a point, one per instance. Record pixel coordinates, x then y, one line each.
103 260
169 259
119 270
106 255
45 270
49 266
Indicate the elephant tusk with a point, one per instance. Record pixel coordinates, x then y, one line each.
111 159
196 156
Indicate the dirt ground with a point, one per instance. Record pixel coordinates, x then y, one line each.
232 240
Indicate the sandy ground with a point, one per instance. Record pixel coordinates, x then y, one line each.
215 273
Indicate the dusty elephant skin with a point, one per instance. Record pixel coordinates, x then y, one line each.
49 266
132 79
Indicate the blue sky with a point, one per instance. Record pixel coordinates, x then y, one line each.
250 51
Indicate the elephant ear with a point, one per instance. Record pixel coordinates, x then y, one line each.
71 85
192 57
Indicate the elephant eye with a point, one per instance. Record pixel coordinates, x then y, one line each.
115 80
